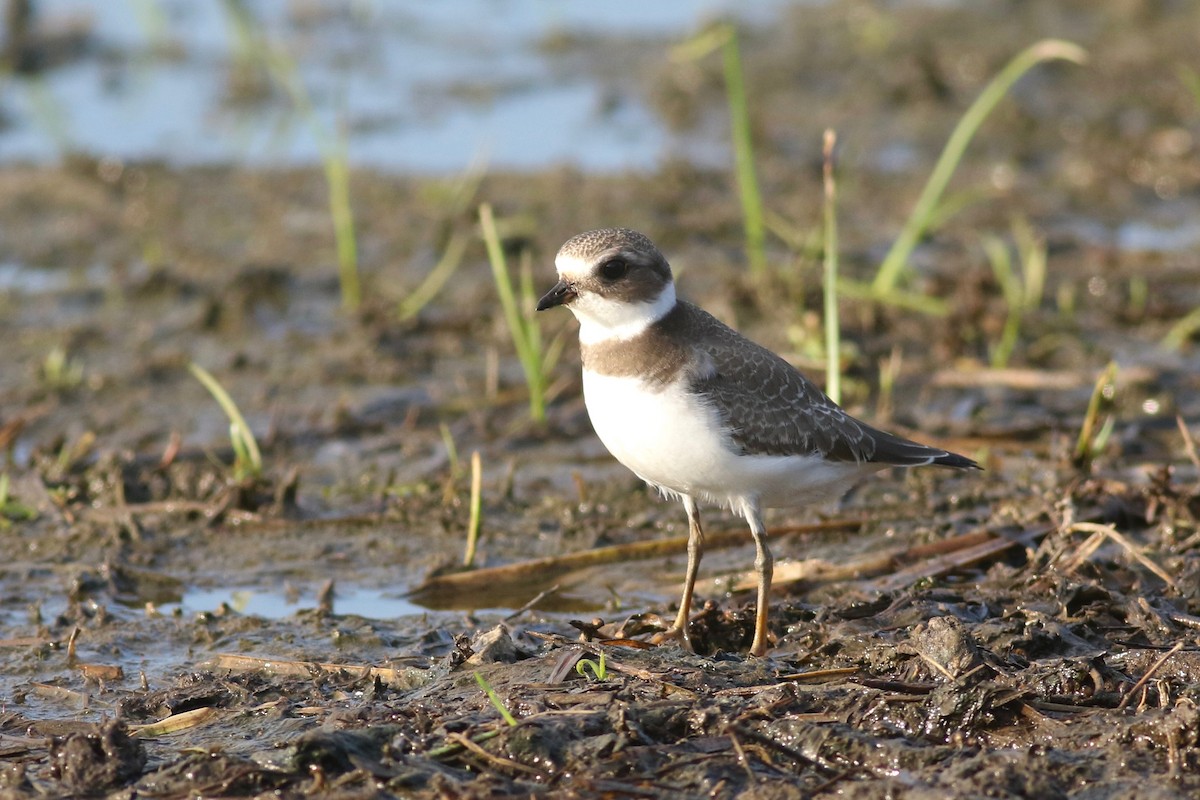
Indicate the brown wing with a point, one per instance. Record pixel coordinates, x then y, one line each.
784 413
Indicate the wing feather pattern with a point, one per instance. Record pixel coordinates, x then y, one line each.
787 414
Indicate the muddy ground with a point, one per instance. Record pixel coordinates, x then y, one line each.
1063 661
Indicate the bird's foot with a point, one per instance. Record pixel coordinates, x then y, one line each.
675 633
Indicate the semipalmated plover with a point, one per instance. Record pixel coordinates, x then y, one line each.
702 413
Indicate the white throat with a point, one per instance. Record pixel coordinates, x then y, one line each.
605 320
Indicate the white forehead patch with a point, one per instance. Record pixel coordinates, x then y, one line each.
572 267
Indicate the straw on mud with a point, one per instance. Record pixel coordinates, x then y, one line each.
174 723
1011 378
102 672
1155 667
564 666
1112 533
818 674
833 341
523 576
455 747
52 692
539 597
742 758
476 509
71 646
494 759
25 641
918 221
1083 553
1189 444
397 678
928 561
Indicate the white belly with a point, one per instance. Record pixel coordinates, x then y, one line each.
672 440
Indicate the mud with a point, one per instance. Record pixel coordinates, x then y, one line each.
1064 665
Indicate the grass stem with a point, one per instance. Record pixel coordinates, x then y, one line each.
833 338
1092 439
476 509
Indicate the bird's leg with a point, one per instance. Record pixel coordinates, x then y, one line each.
695 551
764 565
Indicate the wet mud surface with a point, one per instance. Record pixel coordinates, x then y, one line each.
167 630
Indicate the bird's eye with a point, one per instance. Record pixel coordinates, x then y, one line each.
614 269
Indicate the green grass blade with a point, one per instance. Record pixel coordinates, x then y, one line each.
437 278
528 306
1032 251
923 304
897 257
1091 440
248 458
520 325
495 699
1000 258
743 154
598 669
451 449
337 177
1182 330
1191 80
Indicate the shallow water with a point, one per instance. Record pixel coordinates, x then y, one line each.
418 87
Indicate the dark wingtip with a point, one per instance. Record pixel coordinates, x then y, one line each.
956 461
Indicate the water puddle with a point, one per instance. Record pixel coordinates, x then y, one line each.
250 601
27 280
418 87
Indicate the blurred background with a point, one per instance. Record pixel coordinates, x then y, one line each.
413 87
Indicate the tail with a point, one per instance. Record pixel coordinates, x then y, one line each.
900 452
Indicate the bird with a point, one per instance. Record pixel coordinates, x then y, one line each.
701 413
